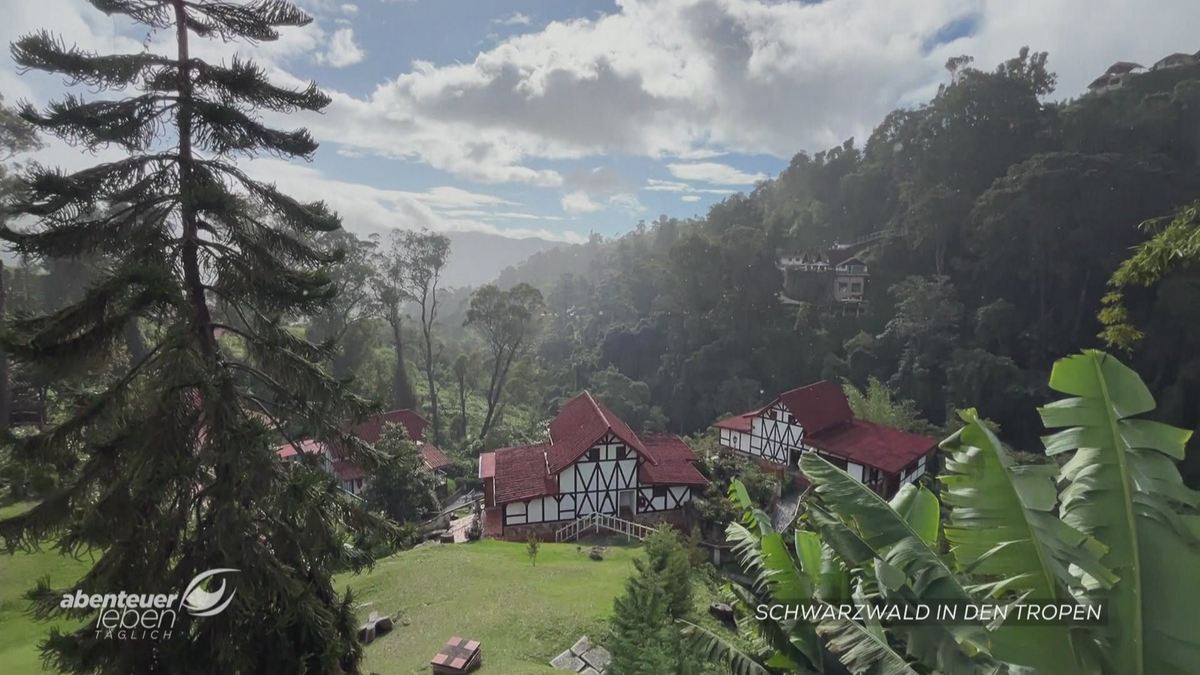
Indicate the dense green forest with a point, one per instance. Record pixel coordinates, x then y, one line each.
1005 215
1000 216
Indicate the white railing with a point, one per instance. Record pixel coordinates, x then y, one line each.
602 521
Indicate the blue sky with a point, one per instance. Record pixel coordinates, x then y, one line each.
558 118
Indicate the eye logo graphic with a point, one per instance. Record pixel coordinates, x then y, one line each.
200 602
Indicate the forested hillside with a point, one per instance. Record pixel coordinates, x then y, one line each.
1006 214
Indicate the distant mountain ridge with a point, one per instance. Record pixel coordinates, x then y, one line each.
478 258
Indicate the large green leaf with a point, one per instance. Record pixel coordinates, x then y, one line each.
1125 490
898 544
863 650
808 552
920 508
883 529
718 650
1003 526
777 576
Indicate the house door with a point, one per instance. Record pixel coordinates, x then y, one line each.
625 503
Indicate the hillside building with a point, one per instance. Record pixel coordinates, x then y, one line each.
351 476
836 275
817 418
1115 77
1176 60
593 463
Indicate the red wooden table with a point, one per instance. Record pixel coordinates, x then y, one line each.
457 657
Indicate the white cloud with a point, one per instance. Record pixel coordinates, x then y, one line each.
514 19
365 208
682 81
690 198
656 185
714 172
688 80
579 202
343 50
349 8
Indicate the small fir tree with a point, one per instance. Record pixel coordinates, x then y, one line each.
402 487
171 463
532 545
646 640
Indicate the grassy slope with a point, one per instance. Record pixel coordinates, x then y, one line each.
19 633
488 591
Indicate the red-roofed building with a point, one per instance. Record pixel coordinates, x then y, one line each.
817 418
350 475
593 463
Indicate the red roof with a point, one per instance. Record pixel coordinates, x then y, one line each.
347 470
289 450
433 457
370 430
528 471
487 465
817 407
829 425
674 462
581 423
872 445
521 473
743 423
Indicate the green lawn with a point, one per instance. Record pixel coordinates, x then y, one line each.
488 591
19 633
523 614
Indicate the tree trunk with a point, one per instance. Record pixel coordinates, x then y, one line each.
4 409
1081 307
134 342
433 401
190 251
403 395
493 395
462 404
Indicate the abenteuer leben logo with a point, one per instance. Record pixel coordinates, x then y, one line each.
151 616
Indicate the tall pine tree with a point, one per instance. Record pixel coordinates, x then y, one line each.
170 468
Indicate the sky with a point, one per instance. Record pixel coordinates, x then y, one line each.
559 118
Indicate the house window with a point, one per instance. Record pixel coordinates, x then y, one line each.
622 452
660 491
790 419
842 285
594 454
856 287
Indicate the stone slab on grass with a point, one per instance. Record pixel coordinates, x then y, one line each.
597 657
568 661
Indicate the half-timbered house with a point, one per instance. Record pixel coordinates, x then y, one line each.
817 418
593 463
351 476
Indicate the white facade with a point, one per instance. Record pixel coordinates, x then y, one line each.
776 437
911 473
735 440
604 480
775 434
